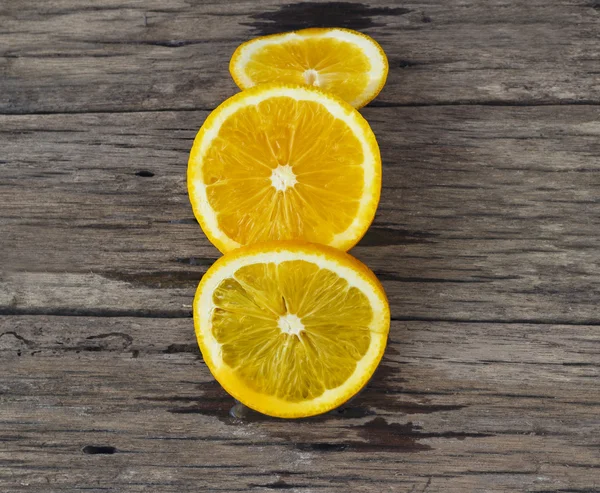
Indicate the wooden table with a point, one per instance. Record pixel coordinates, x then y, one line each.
487 241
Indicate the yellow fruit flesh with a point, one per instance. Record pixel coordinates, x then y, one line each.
333 65
290 330
284 169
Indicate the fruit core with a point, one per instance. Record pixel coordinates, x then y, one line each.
290 324
283 177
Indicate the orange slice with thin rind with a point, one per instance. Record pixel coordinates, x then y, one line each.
291 329
344 62
284 162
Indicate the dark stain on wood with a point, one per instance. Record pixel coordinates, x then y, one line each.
351 411
376 435
280 484
379 435
186 220
144 173
290 17
403 63
99 449
212 400
382 236
182 348
384 374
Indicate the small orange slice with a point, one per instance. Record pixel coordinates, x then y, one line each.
346 63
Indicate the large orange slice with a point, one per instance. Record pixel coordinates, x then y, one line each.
291 329
282 162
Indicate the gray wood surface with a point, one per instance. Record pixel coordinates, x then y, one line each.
486 241
454 407
132 55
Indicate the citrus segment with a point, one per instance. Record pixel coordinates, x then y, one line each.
347 63
284 162
291 329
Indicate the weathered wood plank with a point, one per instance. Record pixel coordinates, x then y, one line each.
119 404
129 55
487 213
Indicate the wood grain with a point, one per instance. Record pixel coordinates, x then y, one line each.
486 241
127 55
122 404
487 214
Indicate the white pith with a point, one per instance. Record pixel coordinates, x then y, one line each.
290 324
283 177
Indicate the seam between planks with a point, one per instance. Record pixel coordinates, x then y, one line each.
375 105
181 314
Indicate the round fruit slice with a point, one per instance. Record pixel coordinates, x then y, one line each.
281 162
347 63
291 329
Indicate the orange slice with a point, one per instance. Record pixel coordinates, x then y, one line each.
282 162
291 329
347 63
